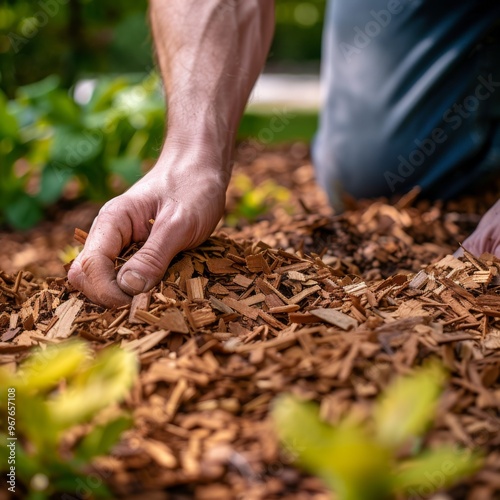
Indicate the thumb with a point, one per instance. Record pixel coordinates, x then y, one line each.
147 267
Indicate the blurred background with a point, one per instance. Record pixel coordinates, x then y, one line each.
81 107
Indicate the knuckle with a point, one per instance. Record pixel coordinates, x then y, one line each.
153 258
112 207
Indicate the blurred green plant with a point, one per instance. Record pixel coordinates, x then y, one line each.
56 392
80 38
363 462
47 140
254 201
69 253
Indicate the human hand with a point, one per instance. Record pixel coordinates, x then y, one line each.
184 196
486 237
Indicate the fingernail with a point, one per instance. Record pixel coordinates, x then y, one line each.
134 281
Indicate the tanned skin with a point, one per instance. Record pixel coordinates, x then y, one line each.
210 54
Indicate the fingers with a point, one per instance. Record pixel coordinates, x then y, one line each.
147 267
94 274
93 271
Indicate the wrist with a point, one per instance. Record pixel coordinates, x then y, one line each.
185 159
203 147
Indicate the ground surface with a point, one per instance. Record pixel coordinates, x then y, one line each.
327 307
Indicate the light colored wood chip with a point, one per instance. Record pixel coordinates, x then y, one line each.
284 309
141 302
145 343
241 308
335 318
267 288
195 288
303 294
356 288
175 399
483 277
160 453
203 317
67 313
457 307
146 317
419 280
296 276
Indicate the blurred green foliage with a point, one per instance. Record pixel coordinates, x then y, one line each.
80 38
59 394
47 140
381 458
72 39
53 141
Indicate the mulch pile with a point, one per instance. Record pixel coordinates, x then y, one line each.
328 308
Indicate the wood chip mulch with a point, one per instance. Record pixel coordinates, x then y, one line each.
330 308
234 324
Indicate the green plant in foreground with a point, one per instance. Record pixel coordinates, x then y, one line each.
57 394
255 200
361 462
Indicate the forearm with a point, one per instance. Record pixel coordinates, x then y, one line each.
210 54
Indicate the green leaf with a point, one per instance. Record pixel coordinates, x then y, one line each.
435 470
105 382
104 93
102 438
52 183
351 463
88 487
23 212
40 89
44 369
36 423
406 408
73 147
127 167
8 123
